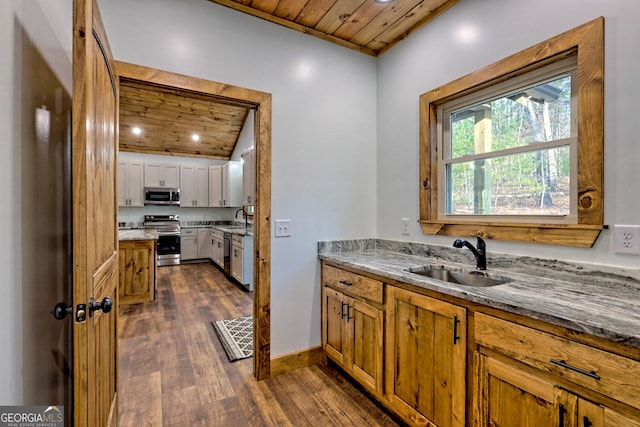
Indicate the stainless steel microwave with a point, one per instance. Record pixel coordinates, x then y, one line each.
161 196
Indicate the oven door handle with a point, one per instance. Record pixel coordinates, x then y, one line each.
168 233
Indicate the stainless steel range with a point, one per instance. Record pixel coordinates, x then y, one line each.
168 228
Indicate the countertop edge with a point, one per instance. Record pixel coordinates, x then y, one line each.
512 297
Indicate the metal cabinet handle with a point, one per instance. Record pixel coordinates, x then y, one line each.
561 412
346 282
564 364
456 322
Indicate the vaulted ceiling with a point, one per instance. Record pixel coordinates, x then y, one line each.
365 25
167 119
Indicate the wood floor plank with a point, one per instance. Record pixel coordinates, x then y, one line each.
207 366
173 370
146 392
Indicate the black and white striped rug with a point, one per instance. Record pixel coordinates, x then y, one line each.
236 336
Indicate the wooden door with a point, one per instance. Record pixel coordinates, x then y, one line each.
425 358
365 327
334 331
509 397
95 241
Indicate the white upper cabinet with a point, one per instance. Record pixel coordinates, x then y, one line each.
225 185
232 184
130 188
161 175
215 186
248 177
194 188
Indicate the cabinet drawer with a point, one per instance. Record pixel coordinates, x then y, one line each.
352 283
607 373
188 231
236 239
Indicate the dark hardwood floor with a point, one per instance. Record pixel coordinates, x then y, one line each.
173 370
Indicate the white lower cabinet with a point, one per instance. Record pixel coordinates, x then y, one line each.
217 250
188 244
241 260
203 243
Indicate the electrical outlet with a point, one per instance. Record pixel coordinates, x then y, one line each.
404 226
283 228
626 239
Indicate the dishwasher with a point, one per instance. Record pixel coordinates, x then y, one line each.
227 253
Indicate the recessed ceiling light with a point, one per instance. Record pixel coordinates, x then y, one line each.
136 130
195 137
383 1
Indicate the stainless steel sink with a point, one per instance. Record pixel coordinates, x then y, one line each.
474 278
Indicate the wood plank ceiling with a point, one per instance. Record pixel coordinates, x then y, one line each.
167 118
363 25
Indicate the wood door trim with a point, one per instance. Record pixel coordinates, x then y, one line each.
261 103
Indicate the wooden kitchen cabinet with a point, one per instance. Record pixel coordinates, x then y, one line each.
352 334
425 363
137 272
510 397
130 183
548 391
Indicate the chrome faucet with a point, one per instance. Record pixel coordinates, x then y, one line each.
246 216
480 253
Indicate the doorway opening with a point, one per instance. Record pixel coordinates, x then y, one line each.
260 104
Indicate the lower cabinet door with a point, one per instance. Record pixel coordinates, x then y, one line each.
510 397
334 339
353 337
137 260
365 326
236 263
425 364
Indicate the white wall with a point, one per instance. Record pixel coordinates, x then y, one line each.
476 33
323 129
47 24
10 350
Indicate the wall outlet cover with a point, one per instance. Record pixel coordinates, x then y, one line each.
283 228
626 239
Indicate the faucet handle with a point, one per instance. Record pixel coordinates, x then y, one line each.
481 245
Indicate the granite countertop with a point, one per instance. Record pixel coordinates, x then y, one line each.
137 235
233 228
604 302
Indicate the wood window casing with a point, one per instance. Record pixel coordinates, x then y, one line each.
586 42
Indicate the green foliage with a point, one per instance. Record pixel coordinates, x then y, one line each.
517 120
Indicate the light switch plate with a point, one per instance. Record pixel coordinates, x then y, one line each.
283 228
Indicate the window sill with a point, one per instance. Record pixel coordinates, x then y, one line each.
554 234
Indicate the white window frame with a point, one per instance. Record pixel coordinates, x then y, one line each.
539 76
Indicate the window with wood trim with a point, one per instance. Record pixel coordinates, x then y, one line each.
514 151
